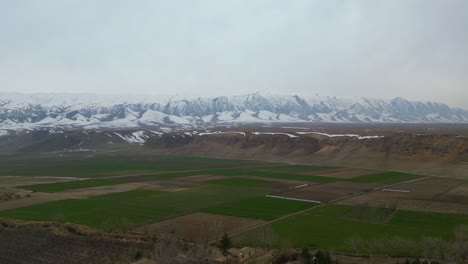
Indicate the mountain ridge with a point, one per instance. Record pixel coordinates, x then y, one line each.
32 111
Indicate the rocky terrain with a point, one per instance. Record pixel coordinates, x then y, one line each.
36 242
54 242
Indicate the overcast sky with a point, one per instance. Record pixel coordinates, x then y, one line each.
417 49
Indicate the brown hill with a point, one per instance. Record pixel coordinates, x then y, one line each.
444 155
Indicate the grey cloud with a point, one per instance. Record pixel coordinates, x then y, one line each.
410 48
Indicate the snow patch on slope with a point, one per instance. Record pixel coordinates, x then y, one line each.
339 135
220 132
138 137
274 133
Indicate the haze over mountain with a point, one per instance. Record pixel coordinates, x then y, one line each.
88 111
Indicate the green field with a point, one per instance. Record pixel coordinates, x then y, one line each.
133 207
295 168
390 177
331 227
263 208
242 182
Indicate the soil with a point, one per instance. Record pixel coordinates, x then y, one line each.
15 198
8 194
198 227
102 190
34 198
328 191
379 199
430 194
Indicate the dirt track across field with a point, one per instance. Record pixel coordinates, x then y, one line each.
13 181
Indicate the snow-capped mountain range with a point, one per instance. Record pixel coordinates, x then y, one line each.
33 111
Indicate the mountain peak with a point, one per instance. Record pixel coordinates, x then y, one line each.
32 111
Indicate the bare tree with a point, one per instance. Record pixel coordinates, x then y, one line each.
434 248
219 228
460 246
357 244
267 237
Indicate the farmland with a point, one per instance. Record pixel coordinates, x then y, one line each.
263 208
197 199
133 207
429 194
332 227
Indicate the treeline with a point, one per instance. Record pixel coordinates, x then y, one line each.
419 261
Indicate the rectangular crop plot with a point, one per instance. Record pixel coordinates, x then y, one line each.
103 190
328 191
279 186
264 208
386 177
344 173
198 227
430 194
107 211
